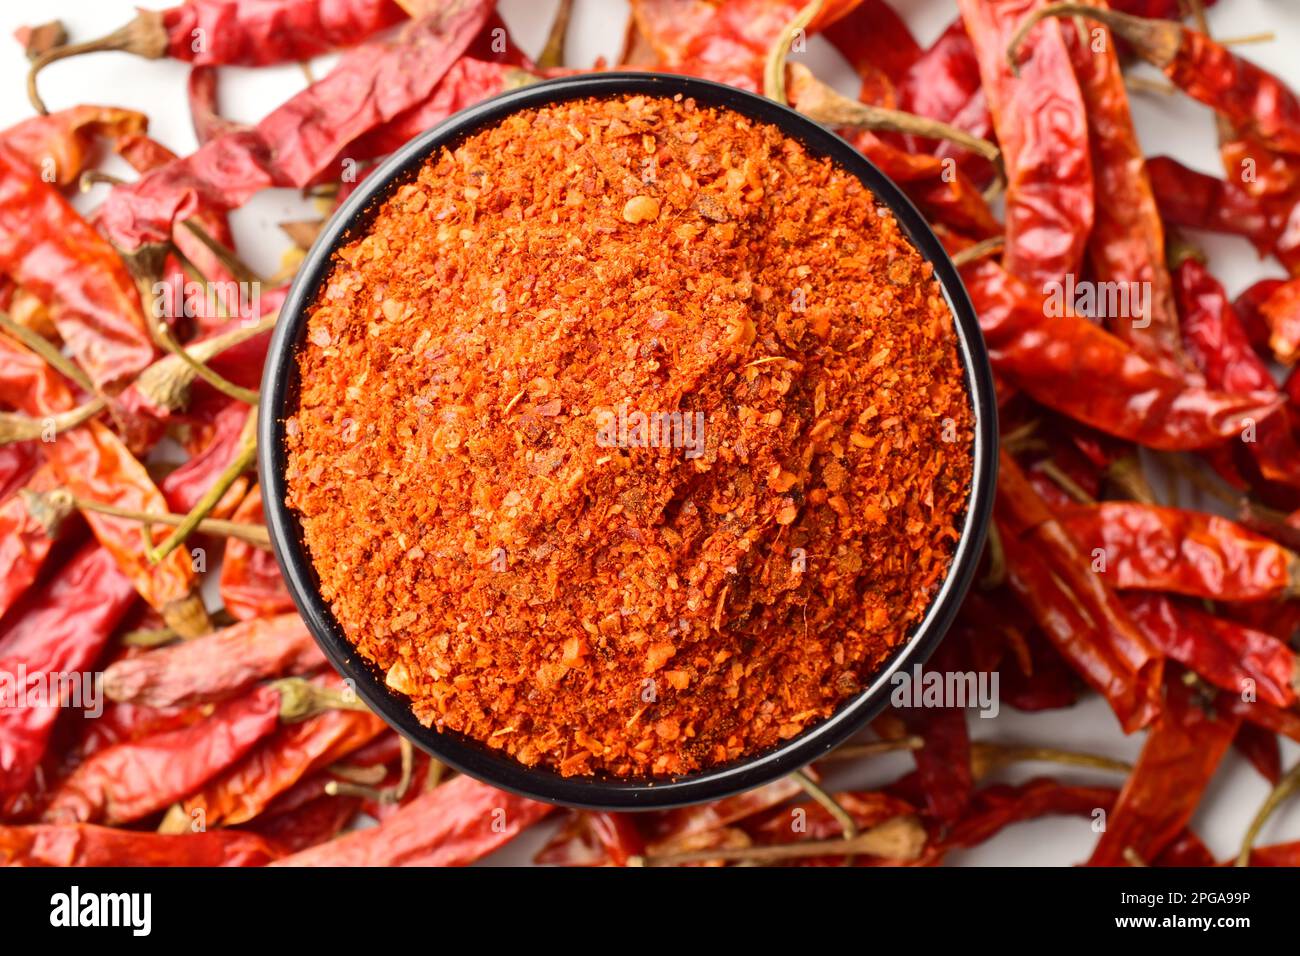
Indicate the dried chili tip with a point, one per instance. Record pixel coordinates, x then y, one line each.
145 36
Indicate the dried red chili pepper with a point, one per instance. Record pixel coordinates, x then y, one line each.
1042 127
1282 313
251 585
59 145
1262 748
451 825
236 32
1247 306
215 666
1253 100
1214 333
1281 854
298 141
93 464
47 248
876 42
132 780
1227 654
60 631
1086 622
202 94
25 540
293 752
89 845
1071 365
315 822
996 806
1185 850
1127 243
1147 547
1180 755
593 838
1193 199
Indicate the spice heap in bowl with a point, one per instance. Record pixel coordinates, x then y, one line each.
632 438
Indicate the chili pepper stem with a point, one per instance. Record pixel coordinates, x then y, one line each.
1286 787
1067 484
552 54
47 350
828 803
1127 474
227 388
300 699
987 757
821 104
774 68
874 748
243 461
144 36
1155 41
166 383
997 572
254 534
901 838
226 256
15 427
981 250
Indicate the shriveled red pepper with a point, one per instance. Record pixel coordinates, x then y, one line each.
1214 333
1042 128
593 838
202 94
1247 306
315 822
1180 755
25 540
1193 199
60 144
1138 546
92 463
1227 654
451 825
1127 243
1073 366
251 583
62 631
85 844
215 666
1262 748
297 142
1074 607
290 754
1253 100
132 780
1282 313
997 806
46 247
237 32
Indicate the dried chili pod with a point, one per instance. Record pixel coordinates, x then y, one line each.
215 666
89 845
234 32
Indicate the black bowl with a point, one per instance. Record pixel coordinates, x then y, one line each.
279 391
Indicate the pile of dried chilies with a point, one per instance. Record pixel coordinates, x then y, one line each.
224 738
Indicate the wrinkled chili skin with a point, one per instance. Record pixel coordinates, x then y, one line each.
1042 129
1069 364
1184 552
132 780
256 33
1180 755
296 142
451 825
712 220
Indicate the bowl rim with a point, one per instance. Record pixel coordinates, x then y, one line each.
604 792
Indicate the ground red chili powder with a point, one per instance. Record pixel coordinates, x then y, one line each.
540 568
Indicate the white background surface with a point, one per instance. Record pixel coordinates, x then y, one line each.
1173 125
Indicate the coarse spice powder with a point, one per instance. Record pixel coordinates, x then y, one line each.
631 439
